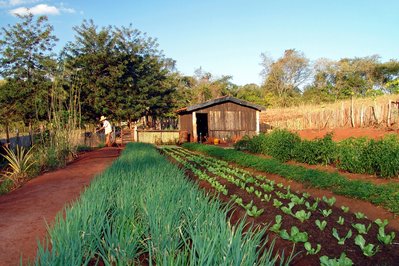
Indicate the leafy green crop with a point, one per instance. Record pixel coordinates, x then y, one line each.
295 235
361 228
369 249
341 220
310 250
343 260
341 241
321 224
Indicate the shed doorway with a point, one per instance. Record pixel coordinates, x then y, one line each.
202 126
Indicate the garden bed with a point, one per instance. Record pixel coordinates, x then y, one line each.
249 190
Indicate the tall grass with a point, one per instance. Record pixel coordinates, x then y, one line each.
143 209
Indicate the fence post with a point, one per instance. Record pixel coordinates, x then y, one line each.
136 136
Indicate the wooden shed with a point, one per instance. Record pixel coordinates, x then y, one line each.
226 118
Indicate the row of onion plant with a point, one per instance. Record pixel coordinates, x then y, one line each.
143 210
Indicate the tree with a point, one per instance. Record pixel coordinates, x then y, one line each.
27 64
123 73
283 78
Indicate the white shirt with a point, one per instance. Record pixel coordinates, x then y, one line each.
107 127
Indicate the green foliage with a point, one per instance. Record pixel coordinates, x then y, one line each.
318 151
6 185
19 163
357 155
280 144
124 74
368 249
341 240
310 250
361 228
321 225
361 155
384 195
343 260
27 62
295 235
119 218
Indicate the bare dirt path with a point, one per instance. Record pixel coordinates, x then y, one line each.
25 212
344 133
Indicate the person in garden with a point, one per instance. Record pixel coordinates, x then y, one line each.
107 130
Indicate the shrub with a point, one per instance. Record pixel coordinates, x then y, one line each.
243 144
19 163
280 144
318 151
361 155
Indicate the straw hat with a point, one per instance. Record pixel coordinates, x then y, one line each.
102 118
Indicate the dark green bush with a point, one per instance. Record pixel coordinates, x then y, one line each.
280 144
350 154
318 151
355 155
361 155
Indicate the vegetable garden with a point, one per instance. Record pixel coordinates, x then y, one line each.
321 231
143 211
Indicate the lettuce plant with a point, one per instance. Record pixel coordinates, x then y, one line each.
326 212
302 215
382 236
295 235
266 197
277 203
310 250
361 228
341 241
369 250
276 227
254 211
329 201
312 207
345 209
288 210
321 224
341 220
343 260
360 215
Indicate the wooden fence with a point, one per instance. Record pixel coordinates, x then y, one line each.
379 112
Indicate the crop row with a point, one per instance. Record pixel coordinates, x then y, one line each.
356 155
143 210
383 195
306 211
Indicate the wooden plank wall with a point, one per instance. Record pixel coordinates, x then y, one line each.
229 120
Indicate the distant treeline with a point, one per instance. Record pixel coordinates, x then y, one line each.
120 72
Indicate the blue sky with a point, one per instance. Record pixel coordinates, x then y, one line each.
226 37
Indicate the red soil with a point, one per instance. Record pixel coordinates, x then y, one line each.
344 133
25 212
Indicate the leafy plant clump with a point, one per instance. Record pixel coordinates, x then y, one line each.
20 162
357 155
